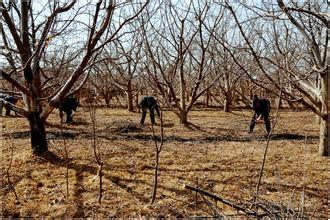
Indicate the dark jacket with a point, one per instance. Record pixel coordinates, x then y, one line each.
9 98
69 103
150 103
261 106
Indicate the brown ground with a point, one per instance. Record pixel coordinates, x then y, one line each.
214 150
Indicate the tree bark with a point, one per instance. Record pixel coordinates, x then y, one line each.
183 117
227 103
154 193
226 106
137 101
182 92
38 133
129 97
323 145
207 98
107 102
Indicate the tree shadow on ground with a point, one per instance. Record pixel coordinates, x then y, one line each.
209 138
79 169
194 127
121 182
50 135
70 126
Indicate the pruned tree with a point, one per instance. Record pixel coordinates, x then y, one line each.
293 61
229 71
30 43
158 150
177 54
312 25
126 68
103 87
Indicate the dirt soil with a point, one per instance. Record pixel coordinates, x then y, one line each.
214 152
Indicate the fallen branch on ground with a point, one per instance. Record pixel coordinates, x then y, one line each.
269 209
224 201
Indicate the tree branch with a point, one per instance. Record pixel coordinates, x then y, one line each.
15 83
15 108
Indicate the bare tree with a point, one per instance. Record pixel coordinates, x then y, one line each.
30 52
305 72
314 31
127 66
96 149
230 75
158 149
104 85
7 172
177 51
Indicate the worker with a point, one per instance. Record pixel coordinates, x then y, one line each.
149 103
261 109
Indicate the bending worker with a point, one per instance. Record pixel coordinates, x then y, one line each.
261 109
68 105
149 103
8 98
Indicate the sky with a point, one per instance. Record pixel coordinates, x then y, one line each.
76 36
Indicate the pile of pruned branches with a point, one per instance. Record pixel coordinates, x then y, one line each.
256 207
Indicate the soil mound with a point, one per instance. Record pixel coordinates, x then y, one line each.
123 127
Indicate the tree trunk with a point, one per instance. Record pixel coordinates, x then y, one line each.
137 101
182 92
38 134
129 97
323 145
226 106
169 94
107 98
154 193
187 94
207 98
182 85
183 117
107 102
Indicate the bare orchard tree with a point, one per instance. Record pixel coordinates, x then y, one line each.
103 84
177 53
244 90
229 71
126 68
158 150
56 65
30 42
312 25
293 60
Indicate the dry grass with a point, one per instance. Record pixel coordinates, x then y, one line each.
215 150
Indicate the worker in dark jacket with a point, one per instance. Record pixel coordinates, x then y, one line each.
261 109
149 103
68 105
7 98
